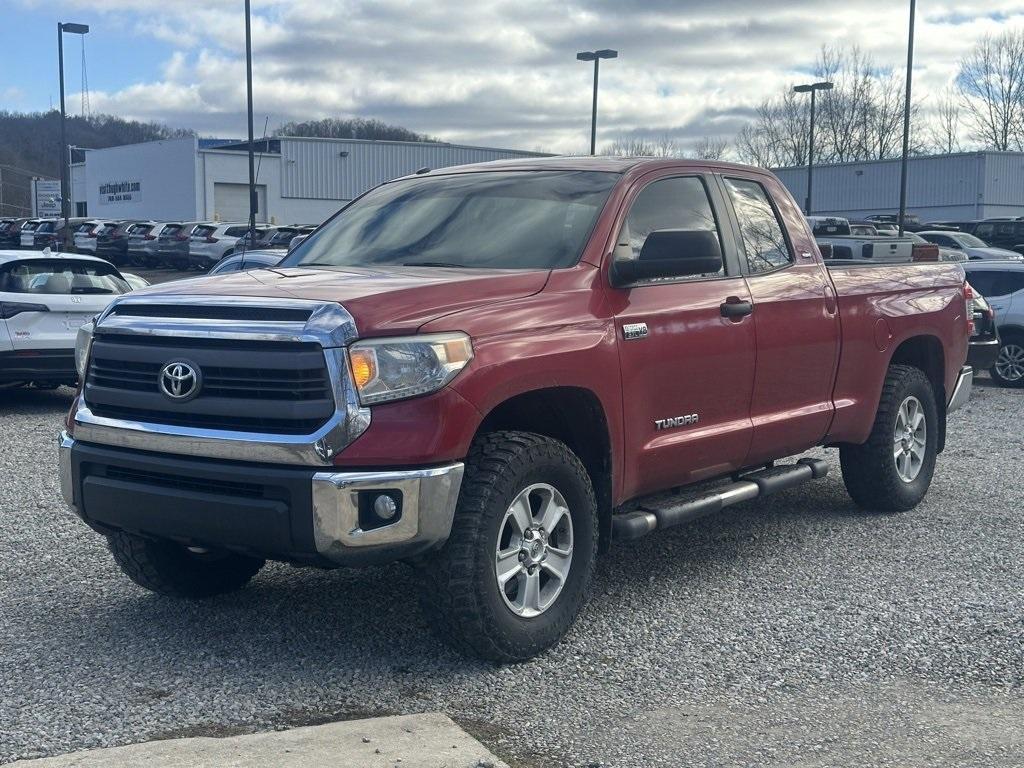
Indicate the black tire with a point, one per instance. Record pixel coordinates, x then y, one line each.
869 470
171 569
1011 342
458 585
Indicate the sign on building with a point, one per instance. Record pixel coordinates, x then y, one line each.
47 197
120 192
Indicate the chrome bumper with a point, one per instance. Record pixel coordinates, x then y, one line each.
428 498
962 389
64 471
426 507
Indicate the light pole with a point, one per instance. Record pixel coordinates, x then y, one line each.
813 89
906 120
248 90
595 56
65 181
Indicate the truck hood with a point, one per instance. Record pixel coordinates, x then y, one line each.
384 300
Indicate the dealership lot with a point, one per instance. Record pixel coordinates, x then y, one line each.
792 629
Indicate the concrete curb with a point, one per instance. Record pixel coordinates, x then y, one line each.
430 740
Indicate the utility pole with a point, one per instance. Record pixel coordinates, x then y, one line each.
65 170
253 201
906 120
813 89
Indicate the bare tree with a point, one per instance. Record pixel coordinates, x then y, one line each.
665 146
711 148
944 128
991 84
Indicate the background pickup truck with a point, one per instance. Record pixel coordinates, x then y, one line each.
844 244
492 372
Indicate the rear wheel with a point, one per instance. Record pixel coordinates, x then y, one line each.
892 471
1008 369
515 571
178 571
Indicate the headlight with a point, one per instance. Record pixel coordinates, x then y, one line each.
406 366
83 343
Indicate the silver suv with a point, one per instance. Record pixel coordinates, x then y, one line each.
1002 283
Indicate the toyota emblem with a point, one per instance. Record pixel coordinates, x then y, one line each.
180 380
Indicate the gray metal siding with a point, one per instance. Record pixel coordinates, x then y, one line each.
958 186
315 168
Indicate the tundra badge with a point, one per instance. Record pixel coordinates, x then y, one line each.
678 421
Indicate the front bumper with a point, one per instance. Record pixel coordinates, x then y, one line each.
962 389
285 513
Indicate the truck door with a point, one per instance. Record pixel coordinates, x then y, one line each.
686 346
795 316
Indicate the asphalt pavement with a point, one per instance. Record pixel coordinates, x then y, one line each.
796 631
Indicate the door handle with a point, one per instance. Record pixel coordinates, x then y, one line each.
732 307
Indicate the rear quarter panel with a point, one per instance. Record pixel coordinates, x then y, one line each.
881 307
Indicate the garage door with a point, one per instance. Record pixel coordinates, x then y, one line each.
231 202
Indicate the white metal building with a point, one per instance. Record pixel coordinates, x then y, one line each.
299 180
962 186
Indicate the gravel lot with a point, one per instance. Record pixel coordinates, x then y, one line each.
795 632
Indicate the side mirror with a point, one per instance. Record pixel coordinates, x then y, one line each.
671 253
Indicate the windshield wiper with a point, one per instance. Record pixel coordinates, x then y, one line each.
432 264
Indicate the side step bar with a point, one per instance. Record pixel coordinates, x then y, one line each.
648 517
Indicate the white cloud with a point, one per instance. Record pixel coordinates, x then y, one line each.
503 72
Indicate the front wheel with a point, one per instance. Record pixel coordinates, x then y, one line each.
516 569
892 471
1008 370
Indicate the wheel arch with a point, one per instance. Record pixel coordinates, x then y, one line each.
925 352
575 416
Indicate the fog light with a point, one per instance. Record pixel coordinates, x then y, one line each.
384 507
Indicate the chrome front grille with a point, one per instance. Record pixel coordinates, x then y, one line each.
273 379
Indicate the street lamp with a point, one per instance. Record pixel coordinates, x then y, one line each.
595 56
813 89
65 181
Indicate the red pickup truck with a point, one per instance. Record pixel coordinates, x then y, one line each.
492 372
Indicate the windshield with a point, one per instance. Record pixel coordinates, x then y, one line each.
62 276
499 220
970 241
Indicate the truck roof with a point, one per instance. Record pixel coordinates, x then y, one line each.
586 163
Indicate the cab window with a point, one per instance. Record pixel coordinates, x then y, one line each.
679 203
761 233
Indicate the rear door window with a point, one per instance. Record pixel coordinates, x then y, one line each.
764 240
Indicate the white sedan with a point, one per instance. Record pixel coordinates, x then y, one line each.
44 299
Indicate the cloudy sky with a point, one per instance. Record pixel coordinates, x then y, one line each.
491 72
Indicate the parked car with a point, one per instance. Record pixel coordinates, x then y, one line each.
1007 234
273 238
172 244
10 235
143 241
1002 285
240 262
112 241
43 301
836 235
135 282
86 234
911 222
209 243
973 246
859 229
545 347
985 343
26 239
49 233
